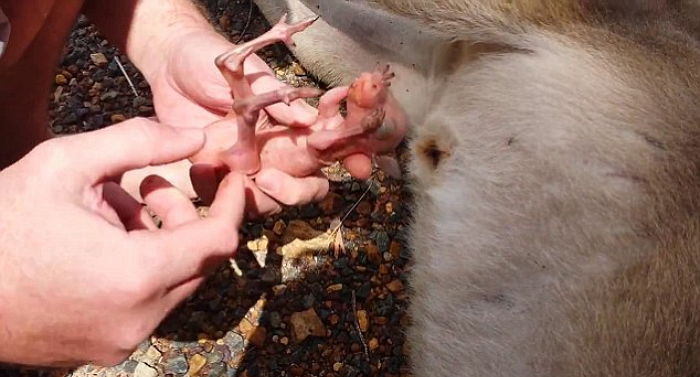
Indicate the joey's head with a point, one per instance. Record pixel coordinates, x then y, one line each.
371 89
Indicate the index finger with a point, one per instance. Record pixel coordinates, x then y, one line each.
185 252
132 144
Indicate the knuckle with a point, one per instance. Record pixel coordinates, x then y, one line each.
50 154
226 240
127 339
113 358
133 289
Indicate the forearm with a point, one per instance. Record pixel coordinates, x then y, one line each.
146 30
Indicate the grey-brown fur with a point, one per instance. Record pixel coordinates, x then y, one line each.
556 166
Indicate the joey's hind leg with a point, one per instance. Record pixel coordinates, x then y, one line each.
230 63
243 155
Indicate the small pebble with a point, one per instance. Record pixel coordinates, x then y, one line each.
331 204
382 239
258 244
110 95
61 80
208 346
389 208
197 362
279 227
99 58
217 369
297 370
373 344
395 286
334 319
395 249
253 333
384 269
335 288
363 320
373 253
117 118
305 324
299 229
225 22
176 365
298 69
258 336
279 289
234 341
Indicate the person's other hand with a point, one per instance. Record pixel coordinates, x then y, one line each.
85 275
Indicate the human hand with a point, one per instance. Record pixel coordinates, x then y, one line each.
86 275
188 86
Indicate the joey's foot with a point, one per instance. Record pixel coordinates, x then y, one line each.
230 63
285 31
386 74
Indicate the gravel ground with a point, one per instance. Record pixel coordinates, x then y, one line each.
282 307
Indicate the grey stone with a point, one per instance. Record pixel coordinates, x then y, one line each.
217 370
145 370
234 342
177 365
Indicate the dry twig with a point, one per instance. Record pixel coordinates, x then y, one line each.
128 79
357 325
247 22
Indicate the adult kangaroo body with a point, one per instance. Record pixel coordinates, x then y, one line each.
556 168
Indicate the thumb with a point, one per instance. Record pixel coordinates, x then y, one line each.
132 144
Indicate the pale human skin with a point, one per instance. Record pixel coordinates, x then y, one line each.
555 150
76 250
94 283
247 141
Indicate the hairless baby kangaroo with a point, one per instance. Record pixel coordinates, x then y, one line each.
374 125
